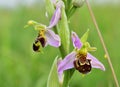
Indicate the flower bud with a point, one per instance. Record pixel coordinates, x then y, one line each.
78 3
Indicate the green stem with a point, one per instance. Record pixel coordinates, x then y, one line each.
61 48
62 29
68 74
64 52
64 32
68 5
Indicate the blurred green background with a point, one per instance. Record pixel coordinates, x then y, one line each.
21 67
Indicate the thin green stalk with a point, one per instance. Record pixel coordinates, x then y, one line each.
103 43
61 48
68 75
68 5
63 31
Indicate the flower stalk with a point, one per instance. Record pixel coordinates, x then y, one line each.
102 42
63 30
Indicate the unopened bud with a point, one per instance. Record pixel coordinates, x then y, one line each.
78 3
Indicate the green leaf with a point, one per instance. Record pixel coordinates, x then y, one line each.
84 37
53 76
63 31
49 8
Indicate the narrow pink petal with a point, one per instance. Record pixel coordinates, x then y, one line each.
95 62
52 38
67 62
55 18
76 41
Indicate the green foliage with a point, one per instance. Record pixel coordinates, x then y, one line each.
64 33
53 75
21 67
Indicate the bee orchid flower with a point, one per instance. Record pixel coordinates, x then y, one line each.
80 59
46 35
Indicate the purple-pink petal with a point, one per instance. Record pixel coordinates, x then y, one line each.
95 62
55 18
67 62
76 41
52 38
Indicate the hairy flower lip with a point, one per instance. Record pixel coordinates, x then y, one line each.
84 67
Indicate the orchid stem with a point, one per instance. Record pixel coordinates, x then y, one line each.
102 42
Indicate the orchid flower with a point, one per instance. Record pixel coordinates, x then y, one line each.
46 35
79 59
